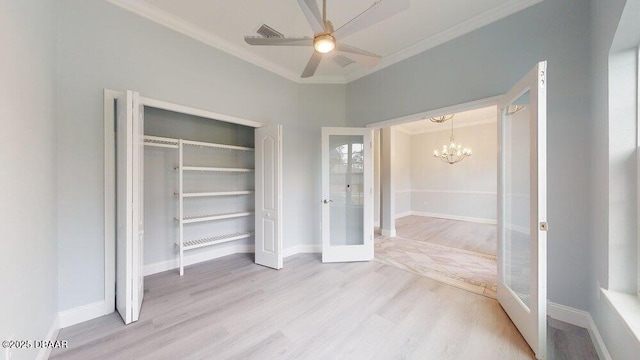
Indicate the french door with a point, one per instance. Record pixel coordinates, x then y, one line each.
347 195
130 206
522 207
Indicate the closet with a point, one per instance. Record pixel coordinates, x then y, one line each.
191 182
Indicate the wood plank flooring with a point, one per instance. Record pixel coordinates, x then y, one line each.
230 308
464 235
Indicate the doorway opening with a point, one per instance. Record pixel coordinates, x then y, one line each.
438 218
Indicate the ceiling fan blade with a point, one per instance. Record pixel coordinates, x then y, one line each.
313 15
360 56
377 12
312 65
275 41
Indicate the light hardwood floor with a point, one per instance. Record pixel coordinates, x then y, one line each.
464 235
230 308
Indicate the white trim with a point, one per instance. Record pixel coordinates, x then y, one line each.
52 335
471 105
214 253
83 313
402 130
638 171
177 24
189 110
404 214
388 233
462 192
627 306
109 199
568 314
403 191
474 23
455 217
582 319
433 129
376 223
302 249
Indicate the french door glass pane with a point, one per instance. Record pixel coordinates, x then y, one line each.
346 177
517 238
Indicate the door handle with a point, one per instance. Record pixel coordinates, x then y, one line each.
327 201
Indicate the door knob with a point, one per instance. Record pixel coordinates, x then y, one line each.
327 201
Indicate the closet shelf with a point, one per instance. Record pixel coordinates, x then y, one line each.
210 194
219 146
213 217
215 169
194 244
158 141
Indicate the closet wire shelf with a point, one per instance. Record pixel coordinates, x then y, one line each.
215 169
158 141
212 217
219 193
194 244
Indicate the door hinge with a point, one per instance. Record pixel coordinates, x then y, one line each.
544 226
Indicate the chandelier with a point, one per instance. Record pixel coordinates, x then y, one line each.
453 152
442 119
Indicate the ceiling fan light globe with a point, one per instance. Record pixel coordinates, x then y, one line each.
324 43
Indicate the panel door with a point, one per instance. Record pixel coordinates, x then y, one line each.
268 205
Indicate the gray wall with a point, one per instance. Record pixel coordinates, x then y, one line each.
487 62
103 46
28 249
607 173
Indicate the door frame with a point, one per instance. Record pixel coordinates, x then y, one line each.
346 253
466 106
108 304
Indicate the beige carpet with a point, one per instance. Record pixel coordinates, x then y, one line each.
464 269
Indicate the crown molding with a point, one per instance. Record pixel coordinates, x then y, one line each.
509 8
175 23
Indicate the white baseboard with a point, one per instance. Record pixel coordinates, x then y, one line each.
403 214
52 335
191 259
388 233
582 319
455 217
83 313
301 249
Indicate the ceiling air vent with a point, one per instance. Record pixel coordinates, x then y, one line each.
342 60
268 32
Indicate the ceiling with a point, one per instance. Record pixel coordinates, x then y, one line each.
479 116
224 23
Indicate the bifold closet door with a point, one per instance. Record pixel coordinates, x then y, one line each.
268 192
129 211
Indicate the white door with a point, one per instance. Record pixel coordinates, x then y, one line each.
347 194
268 185
129 214
522 207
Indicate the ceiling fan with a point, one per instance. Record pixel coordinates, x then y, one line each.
326 39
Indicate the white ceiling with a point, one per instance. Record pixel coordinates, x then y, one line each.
479 116
224 23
